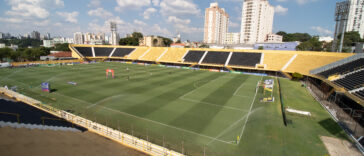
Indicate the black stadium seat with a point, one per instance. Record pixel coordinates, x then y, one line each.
216 57
352 81
103 52
29 115
193 56
121 52
245 59
85 51
360 94
348 67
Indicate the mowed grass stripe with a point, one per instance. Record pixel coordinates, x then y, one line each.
97 82
205 116
148 106
113 86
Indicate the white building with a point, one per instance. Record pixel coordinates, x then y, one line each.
355 17
216 25
115 38
177 38
274 38
48 43
232 38
257 21
325 39
78 38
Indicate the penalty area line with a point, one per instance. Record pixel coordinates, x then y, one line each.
159 123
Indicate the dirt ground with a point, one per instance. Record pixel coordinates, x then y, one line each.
14 142
337 147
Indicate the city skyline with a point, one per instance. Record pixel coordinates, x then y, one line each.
155 17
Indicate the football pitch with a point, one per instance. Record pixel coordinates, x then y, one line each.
194 112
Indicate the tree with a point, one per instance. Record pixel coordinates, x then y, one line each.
327 46
133 40
61 47
350 39
204 46
260 48
5 53
311 45
297 76
290 37
22 43
138 35
282 33
167 41
130 41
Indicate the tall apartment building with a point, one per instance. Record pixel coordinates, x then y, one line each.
353 19
35 35
257 21
78 38
114 34
216 25
232 38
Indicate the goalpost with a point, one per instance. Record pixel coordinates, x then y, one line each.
108 71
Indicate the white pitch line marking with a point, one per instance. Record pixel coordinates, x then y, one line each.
224 131
237 90
156 122
200 87
211 104
251 106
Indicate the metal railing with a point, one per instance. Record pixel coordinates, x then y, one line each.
336 64
116 135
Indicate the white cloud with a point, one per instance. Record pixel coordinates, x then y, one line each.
94 3
281 0
176 20
179 7
137 22
148 12
30 9
188 29
234 25
156 29
100 12
301 2
69 16
280 10
59 3
27 9
58 24
42 23
10 20
131 4
155 2
182 25
321 31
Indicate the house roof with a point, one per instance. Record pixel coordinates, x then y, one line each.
61 54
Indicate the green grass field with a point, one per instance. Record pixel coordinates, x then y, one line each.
193 111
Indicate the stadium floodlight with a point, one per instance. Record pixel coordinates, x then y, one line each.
341 16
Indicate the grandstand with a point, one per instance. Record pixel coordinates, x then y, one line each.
194 56
153 55
286 61
156 98
173 55
245 59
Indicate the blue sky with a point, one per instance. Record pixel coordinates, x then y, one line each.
154 17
